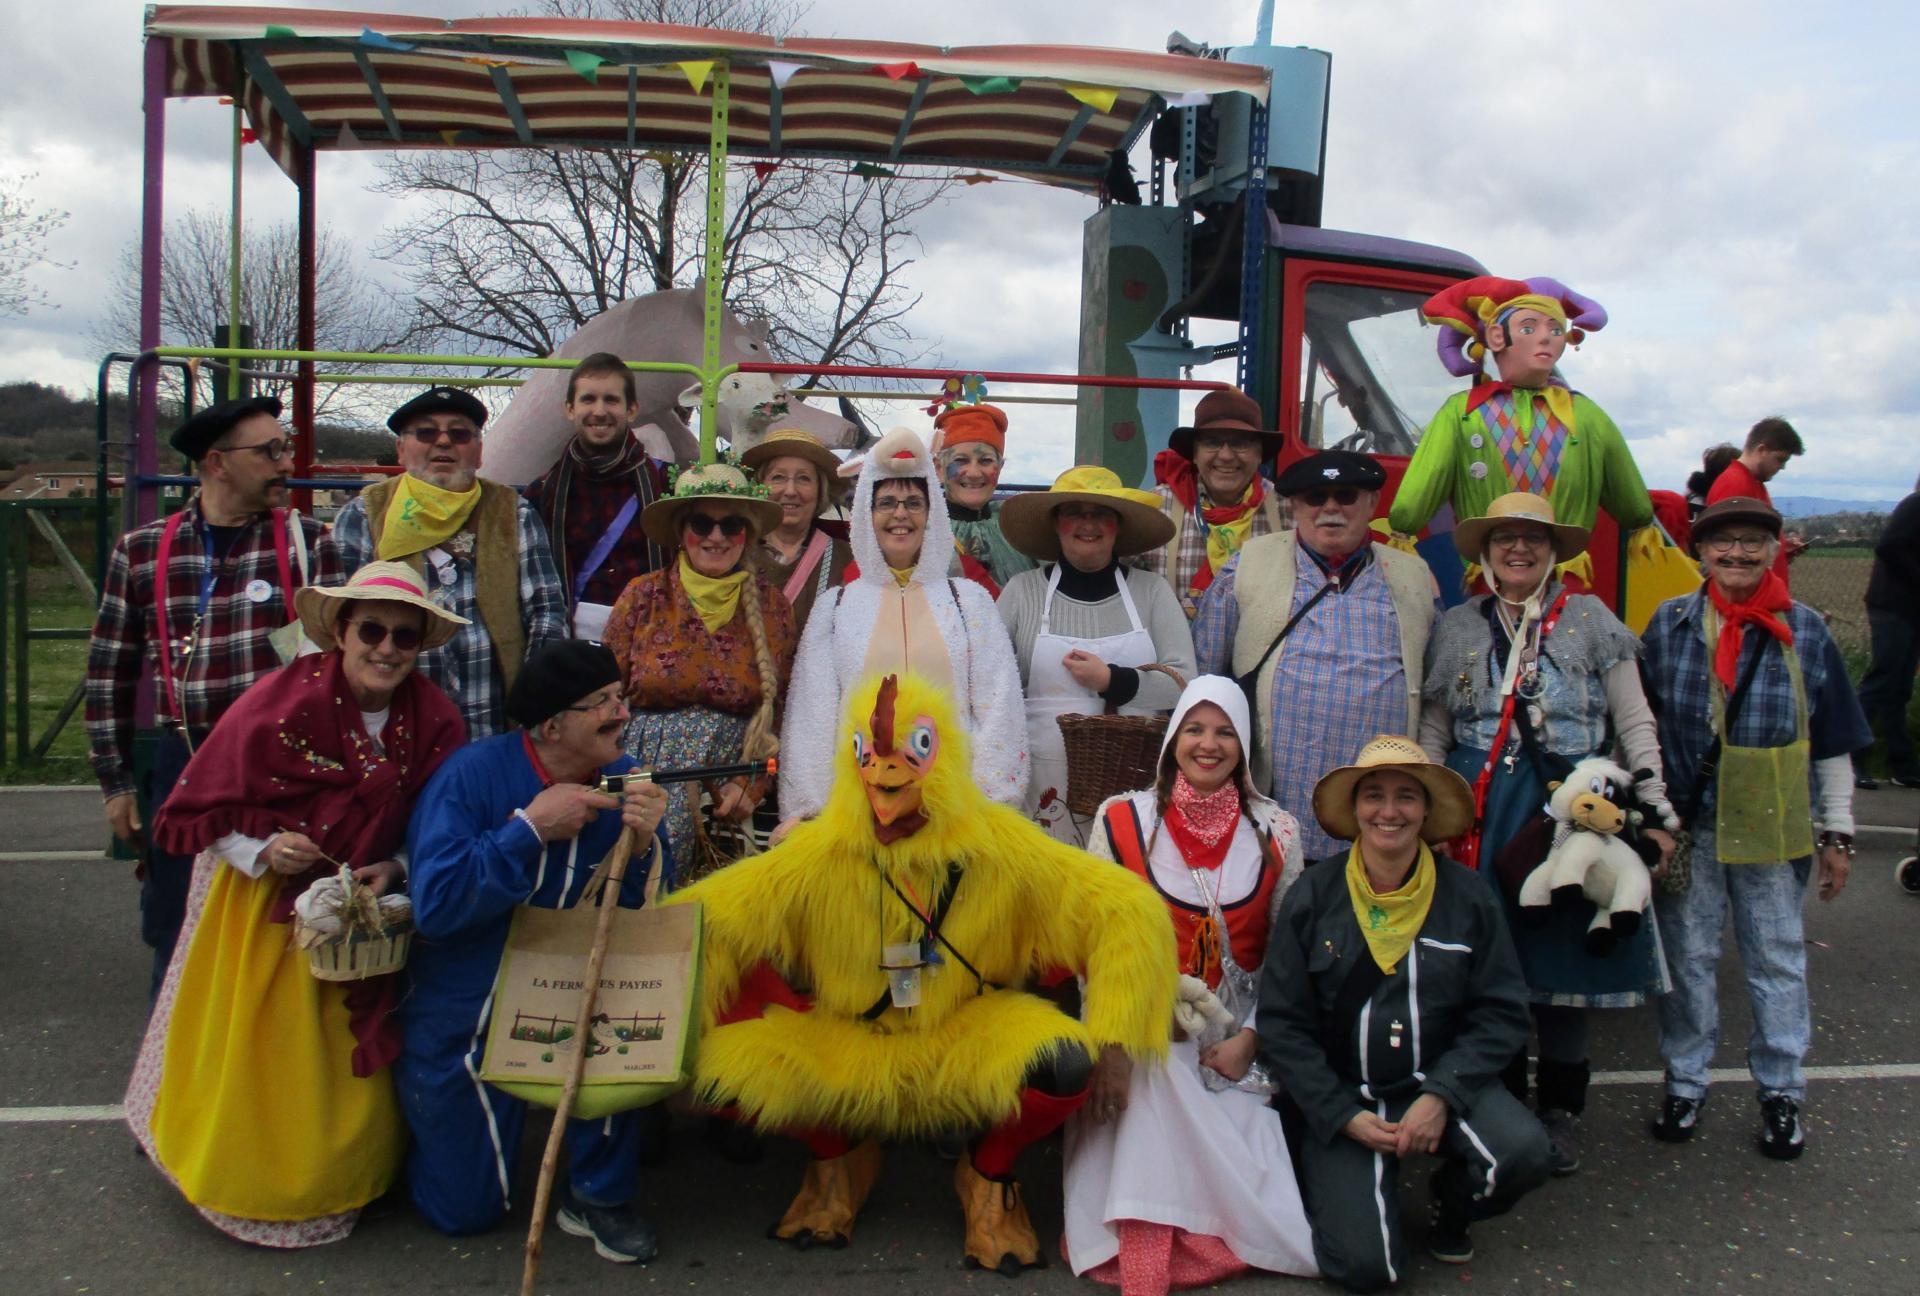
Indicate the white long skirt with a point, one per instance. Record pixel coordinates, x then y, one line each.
1213 1164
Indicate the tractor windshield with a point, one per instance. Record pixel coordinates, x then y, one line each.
1369 378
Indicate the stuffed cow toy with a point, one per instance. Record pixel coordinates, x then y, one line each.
1592 813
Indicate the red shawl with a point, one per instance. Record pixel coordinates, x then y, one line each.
292 755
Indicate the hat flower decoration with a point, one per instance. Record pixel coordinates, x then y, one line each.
689 481
1466 309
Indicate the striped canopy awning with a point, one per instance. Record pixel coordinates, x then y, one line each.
334 80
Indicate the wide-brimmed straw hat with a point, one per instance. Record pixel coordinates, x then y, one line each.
1027 520
1227 410
1449 800
719 483
792 443
378 582
1470 536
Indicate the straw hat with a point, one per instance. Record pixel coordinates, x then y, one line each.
1470 536
718 482
1449 801
1027 519
792 443
377 582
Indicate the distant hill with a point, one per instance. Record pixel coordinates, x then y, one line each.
1799 506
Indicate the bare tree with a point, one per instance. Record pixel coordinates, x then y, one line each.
514 249
24 227
351 313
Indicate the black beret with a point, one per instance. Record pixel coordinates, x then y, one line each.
196 436
556 677
438 400
1332 468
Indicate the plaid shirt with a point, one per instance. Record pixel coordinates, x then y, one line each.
1189 547
1338 682
1676 667
229 653
592 504
465 667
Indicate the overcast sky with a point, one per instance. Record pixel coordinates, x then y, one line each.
1737 182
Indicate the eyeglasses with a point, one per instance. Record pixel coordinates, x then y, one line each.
373 634
1239 445
1341 495
1746 544
606 701
275 450
1519 540
732 526
427 434
908 504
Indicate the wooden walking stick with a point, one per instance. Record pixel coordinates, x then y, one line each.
582 1039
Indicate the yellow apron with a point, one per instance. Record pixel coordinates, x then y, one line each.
258 1113
1763 799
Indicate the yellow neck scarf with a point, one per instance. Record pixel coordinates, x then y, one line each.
421 515
1391 921
902 576
715 598
1225 538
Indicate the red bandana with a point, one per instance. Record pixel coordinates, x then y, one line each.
1766 607
1176 472
1202 826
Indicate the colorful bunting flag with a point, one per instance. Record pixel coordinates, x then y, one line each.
1098 98
782 72
869 171
1191 99
659 157
991 85
368 36
481 61
899 71
450 136
696 71
248 135
348 140
586 64
976 177
762 170
276 32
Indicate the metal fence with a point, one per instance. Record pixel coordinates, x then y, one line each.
1833 581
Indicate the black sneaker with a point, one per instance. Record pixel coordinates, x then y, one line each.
1563 1142
1678 1119
1905 779
1780 1134
1866 782
618 1233
1447 1238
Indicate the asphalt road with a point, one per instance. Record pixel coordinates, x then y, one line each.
79 1212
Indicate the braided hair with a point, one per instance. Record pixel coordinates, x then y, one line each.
761 742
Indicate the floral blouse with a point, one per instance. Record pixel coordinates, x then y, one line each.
669 659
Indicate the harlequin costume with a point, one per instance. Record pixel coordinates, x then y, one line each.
1220 864
261 1092
1496 438
801 1034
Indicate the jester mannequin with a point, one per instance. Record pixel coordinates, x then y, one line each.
802 1035
1527 430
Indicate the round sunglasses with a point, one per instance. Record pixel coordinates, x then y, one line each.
373 634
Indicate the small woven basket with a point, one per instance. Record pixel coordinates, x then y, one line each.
365 949
1111 754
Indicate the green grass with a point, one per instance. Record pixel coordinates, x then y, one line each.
54 667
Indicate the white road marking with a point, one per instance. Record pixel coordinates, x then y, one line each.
50 856
1870 1071
59 1115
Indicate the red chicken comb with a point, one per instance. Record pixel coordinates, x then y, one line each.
882 718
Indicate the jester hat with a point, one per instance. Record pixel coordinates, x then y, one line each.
1468 307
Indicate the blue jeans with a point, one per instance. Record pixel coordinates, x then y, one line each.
1765 901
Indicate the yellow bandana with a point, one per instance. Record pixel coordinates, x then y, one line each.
1391 921
421 515
902 576
715 598
1225 538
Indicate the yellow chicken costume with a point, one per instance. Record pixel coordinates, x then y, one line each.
803 1033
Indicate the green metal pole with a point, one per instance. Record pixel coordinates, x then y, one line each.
7 613
233 254
716 301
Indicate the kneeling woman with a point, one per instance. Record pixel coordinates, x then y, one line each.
260 1091
1177 1173
1390 1003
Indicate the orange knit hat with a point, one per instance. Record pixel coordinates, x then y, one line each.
959 424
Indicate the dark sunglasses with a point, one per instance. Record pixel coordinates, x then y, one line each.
373 634
1341 495
732 526
427 435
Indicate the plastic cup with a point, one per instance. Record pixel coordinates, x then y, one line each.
903 966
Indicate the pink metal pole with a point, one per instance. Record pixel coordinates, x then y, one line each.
142 504
1040 379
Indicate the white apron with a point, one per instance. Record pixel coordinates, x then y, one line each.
1053 692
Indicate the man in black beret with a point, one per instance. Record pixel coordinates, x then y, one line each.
1326 628
220 618
517 819
482 550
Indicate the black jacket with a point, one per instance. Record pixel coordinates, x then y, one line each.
1327 1015
1894 585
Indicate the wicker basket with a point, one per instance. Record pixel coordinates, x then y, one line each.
360 956
1111 754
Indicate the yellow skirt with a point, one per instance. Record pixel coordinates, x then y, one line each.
257 1113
